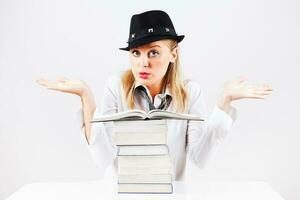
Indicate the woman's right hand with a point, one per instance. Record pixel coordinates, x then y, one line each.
79 88
63 84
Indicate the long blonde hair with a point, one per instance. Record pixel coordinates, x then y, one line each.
173 78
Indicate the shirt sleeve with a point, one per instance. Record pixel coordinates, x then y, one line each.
101 146
203 138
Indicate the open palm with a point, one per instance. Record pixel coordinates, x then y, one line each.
64 85
238 89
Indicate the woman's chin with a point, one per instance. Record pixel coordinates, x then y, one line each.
144 81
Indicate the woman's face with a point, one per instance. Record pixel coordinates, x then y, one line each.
150 62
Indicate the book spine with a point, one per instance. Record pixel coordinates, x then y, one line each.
136 150
143 160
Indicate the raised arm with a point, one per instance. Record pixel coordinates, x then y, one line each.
203 138
237 89
79 88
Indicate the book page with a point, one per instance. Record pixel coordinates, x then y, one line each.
126 115
156 114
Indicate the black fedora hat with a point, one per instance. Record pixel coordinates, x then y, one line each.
150 26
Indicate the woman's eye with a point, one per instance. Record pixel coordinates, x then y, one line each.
153 53
135 53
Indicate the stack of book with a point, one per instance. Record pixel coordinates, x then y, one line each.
144 164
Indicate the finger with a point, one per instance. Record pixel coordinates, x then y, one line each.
48 84
241 79
56 86
261 95
53 88
62 79
263 92
267 87
42 82
256 96
264 87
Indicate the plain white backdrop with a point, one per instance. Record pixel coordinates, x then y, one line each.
40 138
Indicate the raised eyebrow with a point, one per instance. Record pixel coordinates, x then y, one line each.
155 46
148 47
132 50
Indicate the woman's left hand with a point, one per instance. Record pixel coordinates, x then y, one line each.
237 89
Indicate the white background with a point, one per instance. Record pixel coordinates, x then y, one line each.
40 139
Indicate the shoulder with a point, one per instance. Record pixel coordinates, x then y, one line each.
113 84
114 81
192 87
115 78
195 97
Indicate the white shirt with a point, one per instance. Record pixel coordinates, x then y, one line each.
198 140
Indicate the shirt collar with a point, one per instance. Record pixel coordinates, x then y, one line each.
167 91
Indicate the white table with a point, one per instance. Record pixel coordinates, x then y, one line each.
202 190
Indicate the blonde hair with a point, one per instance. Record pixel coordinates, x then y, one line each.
173 78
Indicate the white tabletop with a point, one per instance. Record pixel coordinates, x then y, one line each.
204 190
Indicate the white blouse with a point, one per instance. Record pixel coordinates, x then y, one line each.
198 140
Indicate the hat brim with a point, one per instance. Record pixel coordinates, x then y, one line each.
147 40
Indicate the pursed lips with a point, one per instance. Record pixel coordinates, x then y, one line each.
144 75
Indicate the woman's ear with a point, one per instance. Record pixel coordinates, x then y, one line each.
174 54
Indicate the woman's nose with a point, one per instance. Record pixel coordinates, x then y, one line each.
144 61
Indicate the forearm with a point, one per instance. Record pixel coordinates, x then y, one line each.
88 108
224 102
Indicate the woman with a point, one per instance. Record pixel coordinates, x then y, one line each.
155 81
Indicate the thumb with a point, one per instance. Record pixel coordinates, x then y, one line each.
241 79
42 81
62 79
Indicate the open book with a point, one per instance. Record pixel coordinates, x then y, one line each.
142 115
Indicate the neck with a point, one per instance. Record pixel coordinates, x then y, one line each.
155 89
